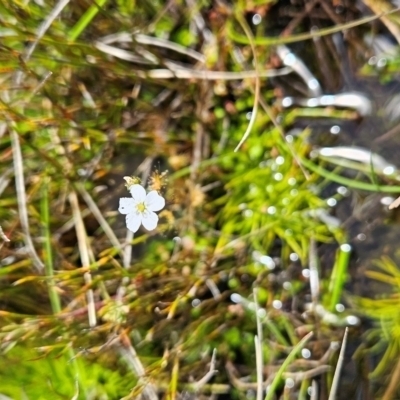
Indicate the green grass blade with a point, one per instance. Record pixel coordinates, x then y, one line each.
338 277
285 364
45 217
348 182
85 20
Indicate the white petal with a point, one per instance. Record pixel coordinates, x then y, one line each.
138 193
149 220
133 221
126 205
154 201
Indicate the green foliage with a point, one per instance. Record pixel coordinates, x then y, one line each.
268 197
84 117
26 373
385 336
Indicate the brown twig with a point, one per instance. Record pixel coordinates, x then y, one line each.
295 21
211 372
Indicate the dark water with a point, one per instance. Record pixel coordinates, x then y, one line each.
373 230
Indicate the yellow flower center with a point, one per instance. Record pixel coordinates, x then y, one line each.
141 207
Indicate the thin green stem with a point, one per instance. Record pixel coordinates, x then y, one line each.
338 277
269 41
173 387
254 112
348 182
278 377
85 20
49 270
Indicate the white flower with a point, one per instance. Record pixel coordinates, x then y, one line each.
140 208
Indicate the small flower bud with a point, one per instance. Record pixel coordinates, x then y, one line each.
131 180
